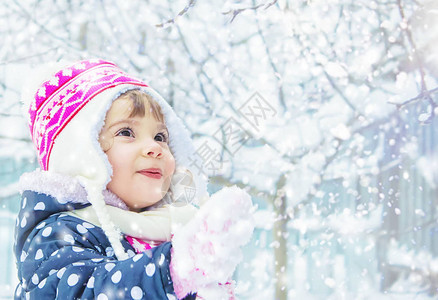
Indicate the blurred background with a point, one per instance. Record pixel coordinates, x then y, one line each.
324 110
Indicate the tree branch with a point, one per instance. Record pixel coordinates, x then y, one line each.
405 28
273 65
235 12
180 14
422 95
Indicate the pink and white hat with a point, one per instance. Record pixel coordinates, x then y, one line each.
61 97
66 115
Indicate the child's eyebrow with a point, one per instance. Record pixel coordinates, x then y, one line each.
162 126
121 122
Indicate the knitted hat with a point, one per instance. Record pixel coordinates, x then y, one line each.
66 116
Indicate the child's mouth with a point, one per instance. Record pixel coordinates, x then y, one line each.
152 173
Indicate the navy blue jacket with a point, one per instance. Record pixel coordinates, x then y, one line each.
61 256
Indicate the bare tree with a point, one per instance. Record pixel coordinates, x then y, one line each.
334 81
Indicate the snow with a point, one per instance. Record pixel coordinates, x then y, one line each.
337 74
428 167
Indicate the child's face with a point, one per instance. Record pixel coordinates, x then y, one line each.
139 155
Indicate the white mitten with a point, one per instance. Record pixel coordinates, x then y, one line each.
207 250
217 291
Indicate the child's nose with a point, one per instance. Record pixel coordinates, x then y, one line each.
153 150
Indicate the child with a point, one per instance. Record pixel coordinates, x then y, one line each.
112 214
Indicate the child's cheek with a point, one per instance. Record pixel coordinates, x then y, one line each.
170 166
105 141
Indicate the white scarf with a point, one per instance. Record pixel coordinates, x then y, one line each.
153 225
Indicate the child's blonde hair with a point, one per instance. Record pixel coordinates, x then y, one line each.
142 101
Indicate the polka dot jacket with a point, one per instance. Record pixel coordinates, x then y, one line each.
60 256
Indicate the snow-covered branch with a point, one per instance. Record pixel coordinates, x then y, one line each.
236 11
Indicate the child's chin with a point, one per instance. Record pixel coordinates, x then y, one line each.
152 200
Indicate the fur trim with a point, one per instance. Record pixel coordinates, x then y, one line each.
64 188
61 187
111 199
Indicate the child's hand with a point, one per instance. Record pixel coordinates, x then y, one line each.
207 250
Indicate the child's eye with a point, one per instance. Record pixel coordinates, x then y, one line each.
162 137
125 132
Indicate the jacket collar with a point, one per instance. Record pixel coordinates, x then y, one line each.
65 189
